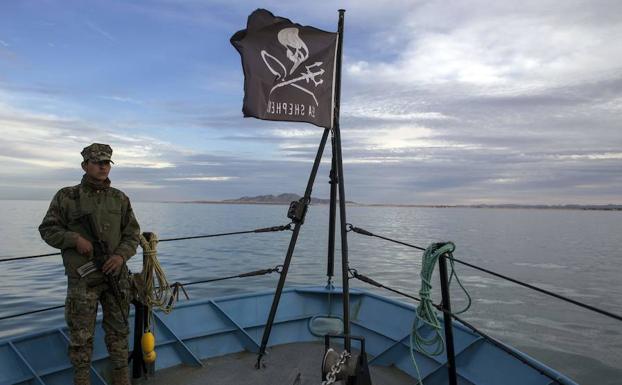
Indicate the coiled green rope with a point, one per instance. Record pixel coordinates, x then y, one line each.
434 345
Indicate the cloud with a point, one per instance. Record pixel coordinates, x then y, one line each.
375 113
499 48
140 185
123 99
50 141
468 102
97 29
203 178
597 156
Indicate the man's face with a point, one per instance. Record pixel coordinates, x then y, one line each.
98 170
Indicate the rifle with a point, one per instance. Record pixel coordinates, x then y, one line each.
101 253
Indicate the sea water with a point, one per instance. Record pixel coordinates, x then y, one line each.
574 253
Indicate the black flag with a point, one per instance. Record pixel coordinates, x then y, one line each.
289 70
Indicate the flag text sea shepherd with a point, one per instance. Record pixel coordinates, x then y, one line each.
289 70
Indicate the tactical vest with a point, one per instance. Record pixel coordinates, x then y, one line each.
106 207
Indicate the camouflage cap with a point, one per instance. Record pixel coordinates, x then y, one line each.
97 152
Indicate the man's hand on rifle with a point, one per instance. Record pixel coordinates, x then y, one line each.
84 246
113 264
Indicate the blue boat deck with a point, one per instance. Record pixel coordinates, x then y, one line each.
289 364
228 330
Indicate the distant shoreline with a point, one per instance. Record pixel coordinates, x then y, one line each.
604 207
502 206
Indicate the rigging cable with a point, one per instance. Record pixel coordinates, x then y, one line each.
259 230
355 274
516 281
276 269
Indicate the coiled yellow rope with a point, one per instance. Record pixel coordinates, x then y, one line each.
157 292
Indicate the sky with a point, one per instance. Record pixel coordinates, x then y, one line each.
443 102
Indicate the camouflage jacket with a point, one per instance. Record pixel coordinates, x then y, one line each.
113 217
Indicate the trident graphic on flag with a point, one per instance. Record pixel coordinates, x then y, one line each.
297 52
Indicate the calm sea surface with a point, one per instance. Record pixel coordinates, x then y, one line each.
573 253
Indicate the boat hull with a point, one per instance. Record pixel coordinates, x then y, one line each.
200 330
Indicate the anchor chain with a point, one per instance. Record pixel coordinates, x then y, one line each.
331 377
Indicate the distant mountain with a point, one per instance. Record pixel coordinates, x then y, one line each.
285 198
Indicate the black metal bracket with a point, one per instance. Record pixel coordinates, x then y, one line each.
297 211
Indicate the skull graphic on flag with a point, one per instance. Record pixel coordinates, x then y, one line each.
289 70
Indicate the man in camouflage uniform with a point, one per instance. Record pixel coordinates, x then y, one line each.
114 220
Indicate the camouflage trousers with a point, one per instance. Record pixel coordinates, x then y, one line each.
81 306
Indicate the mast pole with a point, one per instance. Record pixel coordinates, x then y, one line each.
290 251
447 322
307 200
342 194
334 179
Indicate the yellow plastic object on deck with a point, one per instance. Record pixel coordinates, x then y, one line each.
150 357
147 342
